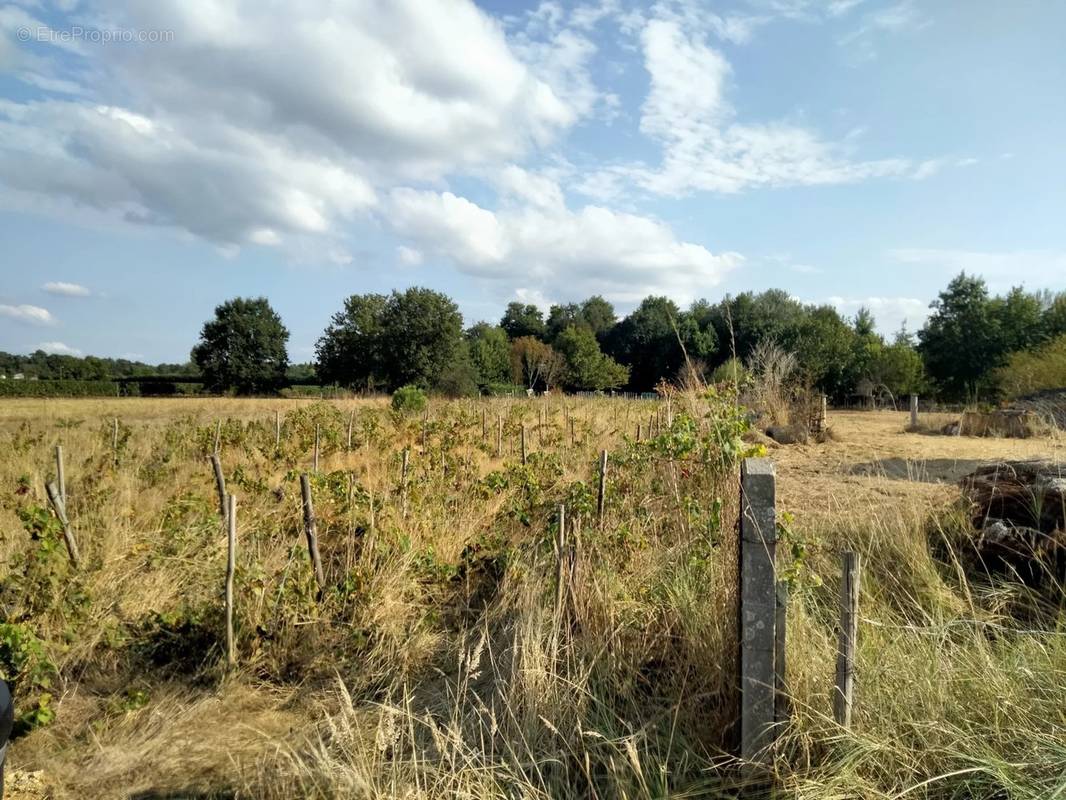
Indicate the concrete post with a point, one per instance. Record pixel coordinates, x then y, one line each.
758 611
914 411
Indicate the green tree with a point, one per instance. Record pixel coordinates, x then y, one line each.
459 377
490 353
421 330
1020 321
243 348
654 340
560 318
523 320
599 315
825 346
1055 316
349 352
742 322
587 367
960 341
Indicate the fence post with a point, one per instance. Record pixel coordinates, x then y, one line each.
231 567
914 411
351 423
61 477
61 513
114 440
218 436
403 481
560 564
844 692
312 535
220 484
781 709
602 494
523 443
823 415
277 428
499 436
758 612
314 467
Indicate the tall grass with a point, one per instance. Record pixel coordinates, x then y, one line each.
437 664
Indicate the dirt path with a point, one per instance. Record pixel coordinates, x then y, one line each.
873 464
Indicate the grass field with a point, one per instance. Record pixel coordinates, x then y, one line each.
438 663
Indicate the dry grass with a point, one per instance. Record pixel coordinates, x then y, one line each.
437 666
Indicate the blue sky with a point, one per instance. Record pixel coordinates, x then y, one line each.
159 158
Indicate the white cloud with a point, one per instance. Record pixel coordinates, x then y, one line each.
255 125
704 147
409 256
900 17
559 251
64 289
58 348
33 315
889 312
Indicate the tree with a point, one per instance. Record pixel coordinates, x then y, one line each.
1019 321
523 320
560 318
599 315
459 378
243 348
898 367
535 364
742 322
1055 316
825 346
654 340
960 341
587 368
349 352
420 332
490 353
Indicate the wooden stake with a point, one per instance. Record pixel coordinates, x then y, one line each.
573 438
315 467
61 477
114 440
523 443
602 495
844 694
218 436
351 423
277 429
61 514
220 484
311 532
499 436
560 564
231 567
403 482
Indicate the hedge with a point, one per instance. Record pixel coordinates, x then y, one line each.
23 388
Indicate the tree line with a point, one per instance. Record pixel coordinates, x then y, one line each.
380 342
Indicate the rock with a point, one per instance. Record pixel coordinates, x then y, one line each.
787 434
951 429
1018 511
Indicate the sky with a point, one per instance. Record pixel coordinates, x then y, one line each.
158 158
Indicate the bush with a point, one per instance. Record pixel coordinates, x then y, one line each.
1031 371
408 400
24 388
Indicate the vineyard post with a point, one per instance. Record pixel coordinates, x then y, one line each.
218 436
914 411
231 566
403 481
602 494
220 484
523 443
499 436
314 468
351 423
758 613
844 692
61 477
311 532
61 514
277 428
114 440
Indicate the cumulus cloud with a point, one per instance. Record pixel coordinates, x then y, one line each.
32 315
560 251
705 148
58 348
409 256
65 289
253 126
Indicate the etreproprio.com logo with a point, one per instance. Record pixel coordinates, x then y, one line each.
78 33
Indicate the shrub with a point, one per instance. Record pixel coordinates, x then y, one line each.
408 400
1030 371
24 388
